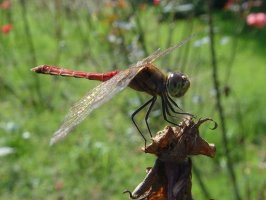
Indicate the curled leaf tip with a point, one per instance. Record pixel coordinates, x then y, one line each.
201 121
215 125
130 194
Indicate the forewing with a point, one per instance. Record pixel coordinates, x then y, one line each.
93 99
158 54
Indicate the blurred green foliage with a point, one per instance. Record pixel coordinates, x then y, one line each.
102 157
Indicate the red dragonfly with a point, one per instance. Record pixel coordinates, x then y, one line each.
143 76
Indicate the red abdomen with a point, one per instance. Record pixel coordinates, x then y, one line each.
58 71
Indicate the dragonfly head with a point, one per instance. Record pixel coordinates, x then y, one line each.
177 84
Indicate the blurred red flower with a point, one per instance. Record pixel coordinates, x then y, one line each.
59 185
257 20
156 2
6 28
6 4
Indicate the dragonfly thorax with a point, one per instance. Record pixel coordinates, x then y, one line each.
177 84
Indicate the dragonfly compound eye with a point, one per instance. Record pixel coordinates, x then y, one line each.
177 84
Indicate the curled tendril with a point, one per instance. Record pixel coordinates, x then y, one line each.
201 121
130 194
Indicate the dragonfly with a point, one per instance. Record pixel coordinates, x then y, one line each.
143 76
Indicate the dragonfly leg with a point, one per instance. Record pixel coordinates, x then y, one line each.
153 100
165 106
166 111
136 112
170 102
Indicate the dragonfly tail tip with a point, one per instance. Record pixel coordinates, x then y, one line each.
39 69
33 69
36 69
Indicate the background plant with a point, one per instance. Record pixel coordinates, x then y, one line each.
98 159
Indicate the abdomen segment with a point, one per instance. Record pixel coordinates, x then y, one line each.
58 71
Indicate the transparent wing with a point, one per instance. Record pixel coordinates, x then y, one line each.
157 54
92 100
104 92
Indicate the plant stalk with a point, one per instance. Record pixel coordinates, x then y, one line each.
229 162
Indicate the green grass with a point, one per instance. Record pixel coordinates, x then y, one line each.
101 157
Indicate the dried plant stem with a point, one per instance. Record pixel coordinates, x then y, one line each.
32 52
219 106
202 185
140 30
28 32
